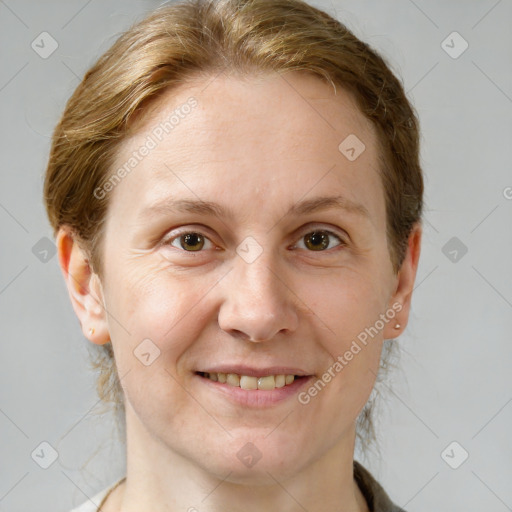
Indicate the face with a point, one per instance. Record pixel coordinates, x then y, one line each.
268 281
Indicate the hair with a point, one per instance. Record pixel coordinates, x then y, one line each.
202 38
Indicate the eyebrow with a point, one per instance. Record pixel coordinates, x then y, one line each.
200 207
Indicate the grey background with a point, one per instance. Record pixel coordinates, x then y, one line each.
454 382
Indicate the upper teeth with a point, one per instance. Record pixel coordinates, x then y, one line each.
268 382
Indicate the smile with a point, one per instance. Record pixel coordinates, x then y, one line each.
253 390
267 383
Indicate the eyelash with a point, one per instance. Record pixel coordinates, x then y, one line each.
168 241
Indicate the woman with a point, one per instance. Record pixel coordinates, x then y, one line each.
236 196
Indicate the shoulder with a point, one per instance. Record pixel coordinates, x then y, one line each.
378 500
93 504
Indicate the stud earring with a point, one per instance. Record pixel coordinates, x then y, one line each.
397 326
91 331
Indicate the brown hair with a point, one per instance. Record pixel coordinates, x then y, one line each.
204 37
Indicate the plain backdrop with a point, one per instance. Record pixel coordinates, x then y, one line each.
451 398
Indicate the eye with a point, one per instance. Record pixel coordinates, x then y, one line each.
191 241
318 240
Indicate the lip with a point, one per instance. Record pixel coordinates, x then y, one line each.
257 372
254 398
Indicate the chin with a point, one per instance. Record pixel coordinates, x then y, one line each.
255 463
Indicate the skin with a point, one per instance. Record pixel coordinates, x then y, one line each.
257 146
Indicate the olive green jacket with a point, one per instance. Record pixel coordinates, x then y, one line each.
376 497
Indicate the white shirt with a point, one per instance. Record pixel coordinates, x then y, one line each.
93 504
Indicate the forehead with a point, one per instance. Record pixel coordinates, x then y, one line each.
296 106
274 134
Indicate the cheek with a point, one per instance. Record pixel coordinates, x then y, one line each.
160 321
157 314
347 312
158 302
345 305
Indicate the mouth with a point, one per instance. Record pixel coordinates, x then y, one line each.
260 389
251 382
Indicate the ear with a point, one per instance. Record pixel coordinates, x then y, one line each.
84 287
400 301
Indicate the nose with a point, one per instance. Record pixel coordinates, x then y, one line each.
258 304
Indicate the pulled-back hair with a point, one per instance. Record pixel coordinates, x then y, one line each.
189 39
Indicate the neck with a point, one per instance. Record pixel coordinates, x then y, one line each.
161 480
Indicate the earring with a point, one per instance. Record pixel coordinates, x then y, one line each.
397 326
91 331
